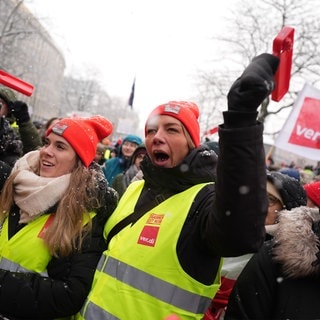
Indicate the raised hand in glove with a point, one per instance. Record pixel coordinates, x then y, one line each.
254 85
20 111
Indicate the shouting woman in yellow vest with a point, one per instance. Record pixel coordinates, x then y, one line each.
169 231
52 210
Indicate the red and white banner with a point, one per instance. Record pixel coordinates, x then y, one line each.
301 132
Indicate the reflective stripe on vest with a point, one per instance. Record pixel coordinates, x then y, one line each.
99 313
139 275
15 267
26 251
159 289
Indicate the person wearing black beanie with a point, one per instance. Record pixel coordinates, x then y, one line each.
284 192
282 280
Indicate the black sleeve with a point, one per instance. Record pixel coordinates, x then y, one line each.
237 225
61 294
255 291
235 119
228 219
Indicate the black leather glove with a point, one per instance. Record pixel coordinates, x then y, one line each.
20 111
254 85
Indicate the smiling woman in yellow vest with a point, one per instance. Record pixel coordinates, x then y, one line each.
52 210
169 231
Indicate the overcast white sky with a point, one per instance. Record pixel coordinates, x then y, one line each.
160 42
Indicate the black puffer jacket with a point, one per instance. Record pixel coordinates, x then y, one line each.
226 219
62 293
282 281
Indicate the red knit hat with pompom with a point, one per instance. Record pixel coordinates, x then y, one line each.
83 134
313 192
186 112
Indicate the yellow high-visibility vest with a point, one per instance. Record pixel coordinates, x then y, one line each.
139 276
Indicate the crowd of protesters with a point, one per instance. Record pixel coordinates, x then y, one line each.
160 226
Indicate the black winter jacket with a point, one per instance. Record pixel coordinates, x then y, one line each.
227 218
282 281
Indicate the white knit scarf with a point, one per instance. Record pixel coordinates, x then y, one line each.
34 194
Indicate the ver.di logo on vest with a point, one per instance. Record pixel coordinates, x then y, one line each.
149 233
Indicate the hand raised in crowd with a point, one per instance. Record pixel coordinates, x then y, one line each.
20 111
254 85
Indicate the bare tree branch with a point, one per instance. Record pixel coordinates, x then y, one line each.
253 26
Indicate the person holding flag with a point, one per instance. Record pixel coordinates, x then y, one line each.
170 230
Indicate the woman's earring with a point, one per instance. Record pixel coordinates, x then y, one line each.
277 219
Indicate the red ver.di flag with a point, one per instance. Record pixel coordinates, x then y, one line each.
301 132
304 133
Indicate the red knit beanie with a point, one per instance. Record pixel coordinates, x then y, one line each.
83 134
186 112
313 192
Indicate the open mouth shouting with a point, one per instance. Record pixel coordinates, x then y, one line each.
161 158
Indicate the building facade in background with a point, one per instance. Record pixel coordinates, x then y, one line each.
28 52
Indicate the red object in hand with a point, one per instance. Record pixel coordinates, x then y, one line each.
282 48
16 83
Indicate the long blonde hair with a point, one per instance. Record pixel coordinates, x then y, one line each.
68 228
